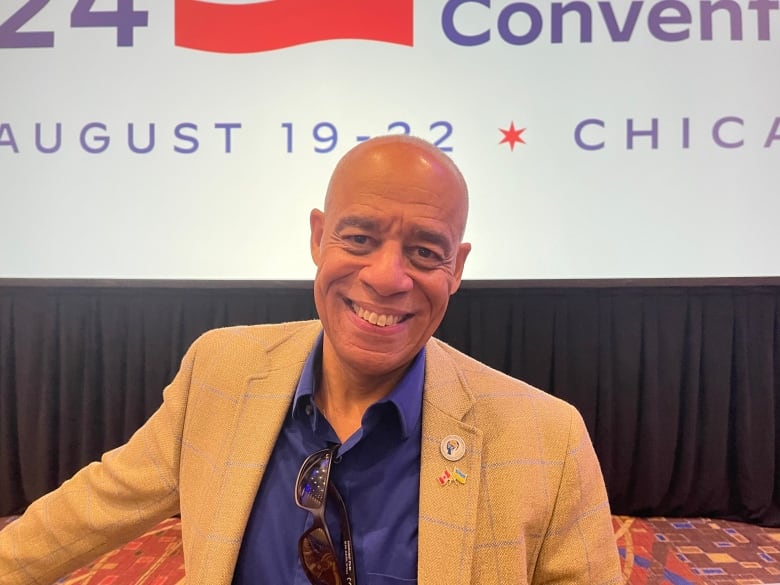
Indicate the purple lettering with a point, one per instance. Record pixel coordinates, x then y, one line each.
716 131
57 140
578 134
228 127
656 20
534 29
448 24
131 139
708 8
616 33
586 20
5 128
124 19
774 133
762 8
102 140
631 133
667 20
12 38
191 139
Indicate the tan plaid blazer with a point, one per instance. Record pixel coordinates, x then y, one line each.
533 508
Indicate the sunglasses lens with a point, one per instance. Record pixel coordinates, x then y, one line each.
318 558
312 485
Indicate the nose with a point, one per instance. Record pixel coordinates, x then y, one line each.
387 270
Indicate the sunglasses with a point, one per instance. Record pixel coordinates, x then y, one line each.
315 547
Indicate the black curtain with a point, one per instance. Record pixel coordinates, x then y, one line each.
679 385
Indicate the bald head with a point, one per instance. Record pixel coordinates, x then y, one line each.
386 161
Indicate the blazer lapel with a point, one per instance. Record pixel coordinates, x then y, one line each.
269 388
447 512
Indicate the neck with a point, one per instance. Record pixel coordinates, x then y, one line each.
343 394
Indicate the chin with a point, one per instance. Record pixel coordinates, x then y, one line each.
378 364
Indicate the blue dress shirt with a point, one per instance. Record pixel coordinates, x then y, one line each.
377 472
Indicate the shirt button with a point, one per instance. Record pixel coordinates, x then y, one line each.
308 409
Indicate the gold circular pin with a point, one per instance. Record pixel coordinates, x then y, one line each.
453 448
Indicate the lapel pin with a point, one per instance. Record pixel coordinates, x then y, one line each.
456 475
445 478
453 448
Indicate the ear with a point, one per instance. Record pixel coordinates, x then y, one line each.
316 220
460 261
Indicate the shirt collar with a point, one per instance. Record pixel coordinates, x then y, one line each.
405 398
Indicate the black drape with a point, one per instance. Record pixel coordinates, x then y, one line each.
678 385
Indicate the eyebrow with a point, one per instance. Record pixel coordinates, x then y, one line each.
357 221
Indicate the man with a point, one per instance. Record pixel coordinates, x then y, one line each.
450 472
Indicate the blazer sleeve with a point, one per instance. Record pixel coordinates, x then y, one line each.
107 503
579 546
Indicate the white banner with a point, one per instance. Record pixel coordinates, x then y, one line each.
189 140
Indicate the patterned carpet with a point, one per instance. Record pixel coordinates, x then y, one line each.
654 551
156 558
697 550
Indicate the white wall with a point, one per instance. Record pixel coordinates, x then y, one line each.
697 196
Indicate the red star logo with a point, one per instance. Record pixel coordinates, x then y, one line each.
512 136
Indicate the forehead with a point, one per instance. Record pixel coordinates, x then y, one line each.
401 208
401 181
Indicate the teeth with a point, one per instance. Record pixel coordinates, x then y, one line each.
374 318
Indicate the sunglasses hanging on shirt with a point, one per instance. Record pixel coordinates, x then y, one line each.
315 546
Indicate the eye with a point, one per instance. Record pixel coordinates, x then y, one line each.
426 257
358 243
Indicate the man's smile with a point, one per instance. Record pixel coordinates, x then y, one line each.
378 319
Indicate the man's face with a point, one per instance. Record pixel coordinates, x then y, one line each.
388 254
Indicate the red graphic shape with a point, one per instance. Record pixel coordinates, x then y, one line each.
275 24
512 136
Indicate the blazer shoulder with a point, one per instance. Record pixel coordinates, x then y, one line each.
247 350
482 380
225 360
498 392
263 337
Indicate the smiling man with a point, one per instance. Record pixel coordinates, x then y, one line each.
356 448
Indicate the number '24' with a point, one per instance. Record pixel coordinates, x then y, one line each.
124 19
